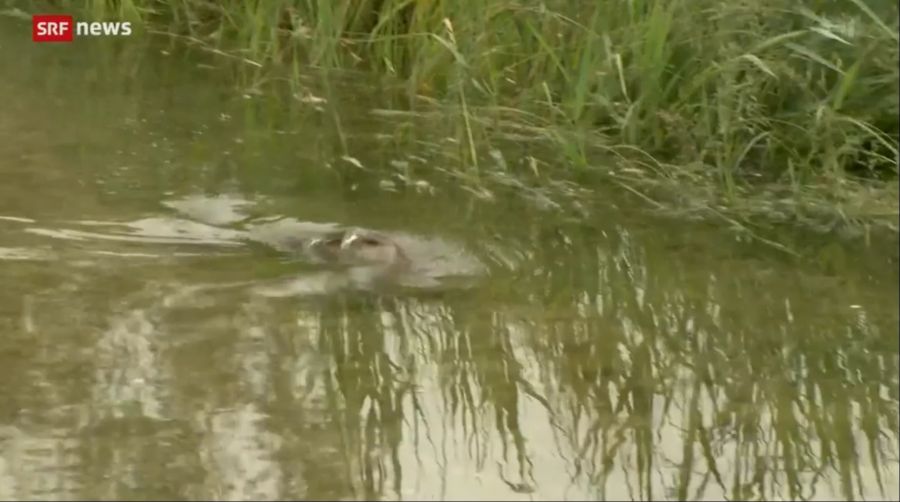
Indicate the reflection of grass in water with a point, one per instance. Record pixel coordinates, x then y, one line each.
729 381
476 371
367 393
487 369
790 398
698 381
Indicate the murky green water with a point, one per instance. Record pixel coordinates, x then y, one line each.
156 342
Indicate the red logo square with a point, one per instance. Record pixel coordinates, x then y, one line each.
52 28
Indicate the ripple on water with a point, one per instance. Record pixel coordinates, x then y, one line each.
220 210
149 230
25 254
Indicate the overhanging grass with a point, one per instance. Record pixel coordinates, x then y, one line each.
797 93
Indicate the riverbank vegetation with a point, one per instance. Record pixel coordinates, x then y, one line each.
791 101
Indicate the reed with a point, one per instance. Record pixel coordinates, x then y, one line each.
791 92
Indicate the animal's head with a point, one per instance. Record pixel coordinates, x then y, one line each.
359 247
370 248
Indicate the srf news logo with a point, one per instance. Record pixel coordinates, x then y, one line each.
62 28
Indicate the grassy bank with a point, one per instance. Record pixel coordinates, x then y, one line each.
719 98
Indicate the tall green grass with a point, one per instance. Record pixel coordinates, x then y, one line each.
794 92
